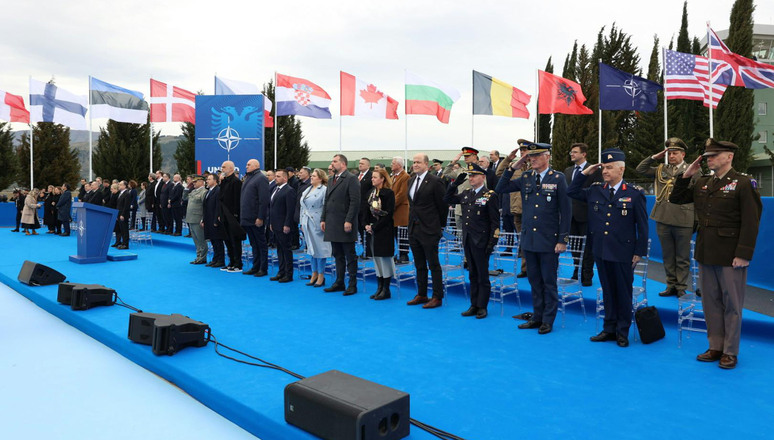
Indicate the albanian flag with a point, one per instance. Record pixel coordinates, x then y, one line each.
560 95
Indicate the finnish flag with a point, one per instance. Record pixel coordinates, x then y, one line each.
49 103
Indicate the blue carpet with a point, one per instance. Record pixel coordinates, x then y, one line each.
480 379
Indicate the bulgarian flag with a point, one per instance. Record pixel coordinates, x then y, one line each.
12 108
425 97
361 98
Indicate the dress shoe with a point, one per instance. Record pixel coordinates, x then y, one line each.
419 299
433 303
530 324
710 356
727 362
14 230
335 287
680 293
177 234
351 289
586 283
669 292
252 271
115 245
522 275
64 235
285 279
200 262
320 282
277 277
470 312
123 247
603 336
384 294
545 328
188 236
218 264
481 314
622 340
193 262
260 273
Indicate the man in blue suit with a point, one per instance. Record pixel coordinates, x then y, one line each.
545 229
282 207
176 205
618 224
63 207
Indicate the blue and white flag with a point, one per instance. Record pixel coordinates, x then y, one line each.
49 103
619 90
117 103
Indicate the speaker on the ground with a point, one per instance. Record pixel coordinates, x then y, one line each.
336 405
167 334
35 274
141 327
65 293
86 296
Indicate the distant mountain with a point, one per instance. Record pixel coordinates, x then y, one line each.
79 139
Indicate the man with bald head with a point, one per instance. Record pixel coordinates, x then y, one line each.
254 211
230 200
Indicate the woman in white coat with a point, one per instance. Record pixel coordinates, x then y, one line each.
312 201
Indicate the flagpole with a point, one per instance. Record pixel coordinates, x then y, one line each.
32 164
666 125
709 79
276 119
405 116
472 115
599 129
91 170
537 106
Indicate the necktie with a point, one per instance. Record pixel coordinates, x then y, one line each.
577 170
361 177
335 178
612 193
537 180
274 192
415 187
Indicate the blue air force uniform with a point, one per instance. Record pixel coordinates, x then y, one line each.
480 224
546 215
618 227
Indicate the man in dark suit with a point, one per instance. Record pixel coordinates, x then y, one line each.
254 213
364 177
63 207
618 222
494 161
82 190
213 228
123 205
165 224
158 220
427 218
281 212
176 206
230 195
304 182
150 200
491 177
339 222
579 224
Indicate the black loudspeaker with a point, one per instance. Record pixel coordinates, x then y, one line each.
85 296
337 406
35 274
167 334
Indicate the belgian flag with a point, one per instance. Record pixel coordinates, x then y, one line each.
498 98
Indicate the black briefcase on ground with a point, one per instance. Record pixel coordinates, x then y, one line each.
649 324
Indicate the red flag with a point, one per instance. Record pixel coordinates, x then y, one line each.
171 104
560 95
12 108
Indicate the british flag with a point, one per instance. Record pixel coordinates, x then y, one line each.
735 70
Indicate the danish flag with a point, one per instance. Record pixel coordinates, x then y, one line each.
171 104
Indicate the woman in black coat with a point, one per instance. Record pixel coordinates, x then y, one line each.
49 209
379 223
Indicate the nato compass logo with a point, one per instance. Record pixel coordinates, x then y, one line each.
81 228
228 123
631 87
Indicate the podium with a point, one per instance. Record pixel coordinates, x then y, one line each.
94 229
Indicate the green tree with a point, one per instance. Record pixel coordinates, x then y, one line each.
734 119
186 150
122 151
292 149
8 159
544 125
54 162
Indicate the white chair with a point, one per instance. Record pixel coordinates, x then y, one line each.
141 233
570 289
403 272
450 255
689 306
364 269
504 270
639 292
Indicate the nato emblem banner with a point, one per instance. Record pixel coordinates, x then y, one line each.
228 127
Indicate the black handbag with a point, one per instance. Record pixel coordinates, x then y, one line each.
649 324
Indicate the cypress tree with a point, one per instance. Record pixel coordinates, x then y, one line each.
8 159
186 149
122 151
292 149
734 117
544 127
54 161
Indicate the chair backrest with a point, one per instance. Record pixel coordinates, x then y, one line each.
506 251
573 257
641 269
403 240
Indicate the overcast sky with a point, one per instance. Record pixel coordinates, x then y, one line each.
186 43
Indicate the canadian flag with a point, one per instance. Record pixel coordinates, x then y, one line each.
361 98
171 104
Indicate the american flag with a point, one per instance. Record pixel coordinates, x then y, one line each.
687 77
736 70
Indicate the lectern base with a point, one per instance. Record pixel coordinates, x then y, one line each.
87 260
121 256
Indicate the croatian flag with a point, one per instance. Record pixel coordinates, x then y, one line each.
49 103
12 108
298 96
171 104
224 86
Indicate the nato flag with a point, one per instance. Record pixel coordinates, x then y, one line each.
619 90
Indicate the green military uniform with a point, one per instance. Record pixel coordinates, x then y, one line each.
729 211
674 223
193 216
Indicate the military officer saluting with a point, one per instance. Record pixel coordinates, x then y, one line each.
674 223
480 224
728 207
618 224
545 229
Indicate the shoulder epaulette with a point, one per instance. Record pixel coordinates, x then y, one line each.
597 183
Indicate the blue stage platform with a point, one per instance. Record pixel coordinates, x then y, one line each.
480 379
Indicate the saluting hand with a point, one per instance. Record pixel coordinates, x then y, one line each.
693 168
519 163
513 154
590 169
660 155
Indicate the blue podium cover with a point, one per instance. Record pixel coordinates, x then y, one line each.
94 229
